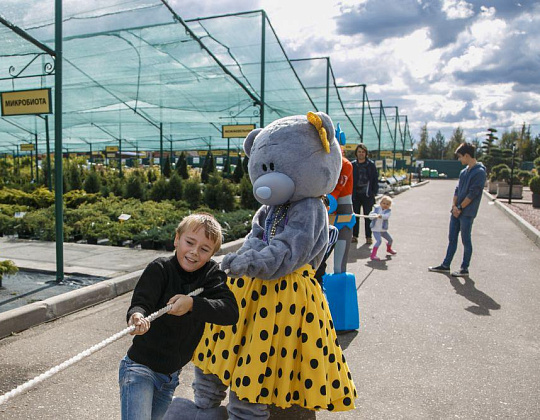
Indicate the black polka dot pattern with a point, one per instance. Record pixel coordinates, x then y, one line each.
284 348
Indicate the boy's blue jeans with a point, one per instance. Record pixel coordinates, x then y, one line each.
459 224
144 394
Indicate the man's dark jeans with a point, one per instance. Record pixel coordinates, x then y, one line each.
366 203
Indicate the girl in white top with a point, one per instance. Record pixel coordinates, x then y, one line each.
379 227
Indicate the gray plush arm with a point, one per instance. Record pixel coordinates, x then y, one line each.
303 240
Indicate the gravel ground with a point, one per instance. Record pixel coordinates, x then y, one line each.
524 208
26 287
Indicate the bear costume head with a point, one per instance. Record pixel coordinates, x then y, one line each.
293 158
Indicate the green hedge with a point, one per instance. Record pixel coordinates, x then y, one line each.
91 217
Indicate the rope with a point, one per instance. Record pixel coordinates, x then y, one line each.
40 378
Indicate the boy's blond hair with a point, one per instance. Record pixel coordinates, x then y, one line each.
212 228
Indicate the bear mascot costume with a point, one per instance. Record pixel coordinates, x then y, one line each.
284 349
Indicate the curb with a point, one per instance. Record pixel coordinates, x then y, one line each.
419 184
33 314
529 230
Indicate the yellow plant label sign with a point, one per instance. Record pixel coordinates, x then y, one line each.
237 131
26 102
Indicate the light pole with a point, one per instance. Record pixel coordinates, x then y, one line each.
512 173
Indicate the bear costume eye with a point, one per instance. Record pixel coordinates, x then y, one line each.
264 167
271 166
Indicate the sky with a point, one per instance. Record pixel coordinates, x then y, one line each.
473 64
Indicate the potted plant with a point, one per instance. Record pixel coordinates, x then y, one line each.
503 187
7 267
534 185
492 184
166 237
148 238
94 228
496 177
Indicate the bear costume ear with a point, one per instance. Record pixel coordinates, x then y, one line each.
248 142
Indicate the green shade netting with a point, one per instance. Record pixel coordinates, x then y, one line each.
134 71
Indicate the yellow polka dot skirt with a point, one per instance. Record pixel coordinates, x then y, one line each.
283 350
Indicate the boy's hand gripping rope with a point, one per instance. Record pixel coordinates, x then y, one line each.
33 382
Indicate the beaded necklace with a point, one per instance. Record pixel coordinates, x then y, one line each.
275 219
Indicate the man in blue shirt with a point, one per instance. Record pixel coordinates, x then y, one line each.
465 205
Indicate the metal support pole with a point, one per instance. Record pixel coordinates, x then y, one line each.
31 165
120 156
328 85
403 137
380 128
263 64
37 160
228 156
161 147
59 203
363 111
395 139
512 173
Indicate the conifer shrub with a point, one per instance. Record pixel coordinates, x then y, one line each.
181 166
175 187
159 190
219 194
247 199
135 187
92 182
192 192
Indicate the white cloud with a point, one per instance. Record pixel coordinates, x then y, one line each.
457 9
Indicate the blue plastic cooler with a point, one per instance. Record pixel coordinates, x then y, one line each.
340 290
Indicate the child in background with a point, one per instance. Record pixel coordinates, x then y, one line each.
379 227
148 374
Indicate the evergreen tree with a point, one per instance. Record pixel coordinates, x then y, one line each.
423 149
192 192
66 186
247 199
478 145
456 139
151 175
238 171
167 167
181 166
437 146
175 187
135 187
74 176
118 186
44 171
218 193
227 166
159 190
209 167
92 182
490 150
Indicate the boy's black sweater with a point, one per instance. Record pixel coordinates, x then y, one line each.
171 340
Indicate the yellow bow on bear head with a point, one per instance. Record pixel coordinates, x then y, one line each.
318 124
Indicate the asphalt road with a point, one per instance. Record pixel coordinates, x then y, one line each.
429 346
